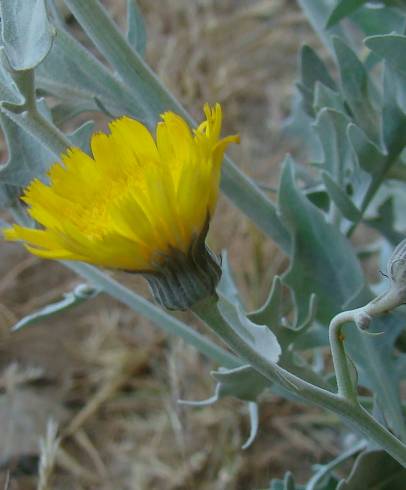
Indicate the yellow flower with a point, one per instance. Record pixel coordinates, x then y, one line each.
135 200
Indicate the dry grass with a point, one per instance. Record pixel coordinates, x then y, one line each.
108 378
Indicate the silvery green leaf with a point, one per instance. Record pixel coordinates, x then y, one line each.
393 115
202 403
319 197
312 339
270 313
230 386
261 338
73 75
384 222
254 424
373 21
369 157
343 9
356 88
311 315
391 48
8 195
397 264
8 89
401 360
375 469
242 382
325 97
323 261
227 286
80 294
288 483
26 32
136 34
65 111
397 191
81 136
324 471
376 365
330 127
312 70
298 126
317 14
341 199
27 157
306 99
241 190
371 18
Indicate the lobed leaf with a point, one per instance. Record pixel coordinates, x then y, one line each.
312 70
390 47
331 127
8 89
323 261
227 286
355 85
76 297
136 34
373 21
26 32
343 9
341 199
27 159
384 222
242 382
324 97
317 14
375 469
368 156
77 78
261 338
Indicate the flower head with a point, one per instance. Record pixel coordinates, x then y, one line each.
136 202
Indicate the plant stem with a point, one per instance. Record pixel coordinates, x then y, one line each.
345 384
355 416
27 116
374 186
329 467
361 317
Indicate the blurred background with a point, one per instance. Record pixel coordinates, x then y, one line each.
109 379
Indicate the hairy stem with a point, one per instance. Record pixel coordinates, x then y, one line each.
345 384
353 414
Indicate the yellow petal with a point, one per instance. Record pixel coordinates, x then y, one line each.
134 200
